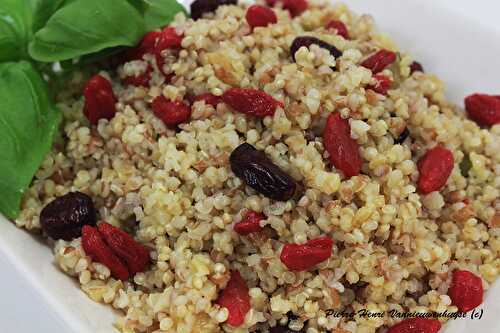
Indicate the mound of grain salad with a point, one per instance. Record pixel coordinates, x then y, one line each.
257 168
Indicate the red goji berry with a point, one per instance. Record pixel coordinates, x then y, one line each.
343 150
434 167
340 27
95 247
382 85
134 254
235 299
416 67
251 101
168 39
100 101
260 16
208 98
466 290
301 257
141 80
483 109
416 325
172 113
250 223
379 61
146 45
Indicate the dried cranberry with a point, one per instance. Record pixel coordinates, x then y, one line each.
64 217
308 41
343 150
416 67
250 223
100 101
208 98
134 254
172 113
261 174
251 101
260 16
434 167
379 61
94 246
146 46
340 27
466 290
483 109
416 325
382 85
235 299
301 257
169 39
200 7
295 7
141 80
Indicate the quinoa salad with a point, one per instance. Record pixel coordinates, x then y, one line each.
260 168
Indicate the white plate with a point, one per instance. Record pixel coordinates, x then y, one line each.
451 38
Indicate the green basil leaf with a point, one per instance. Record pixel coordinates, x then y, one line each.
43 10
28 123
159 13
15 29
82 27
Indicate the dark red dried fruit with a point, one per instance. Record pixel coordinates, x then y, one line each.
250 223
64 217
200 7
308 41
260 16
301 257
379 61
402 137
208 98
343 150
382 85
235 299
146 46
134 254
251 101
416 67
261 174
483 109
283 329
94 246
340 27
434 167
100 101
141 80
416 325
169 39
172 113
466 290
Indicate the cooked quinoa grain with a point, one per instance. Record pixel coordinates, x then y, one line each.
174 190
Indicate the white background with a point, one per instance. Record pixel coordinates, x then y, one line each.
24 311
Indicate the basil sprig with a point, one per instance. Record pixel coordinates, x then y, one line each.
34 32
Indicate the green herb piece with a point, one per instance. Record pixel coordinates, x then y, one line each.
28 124
82 27
465 166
